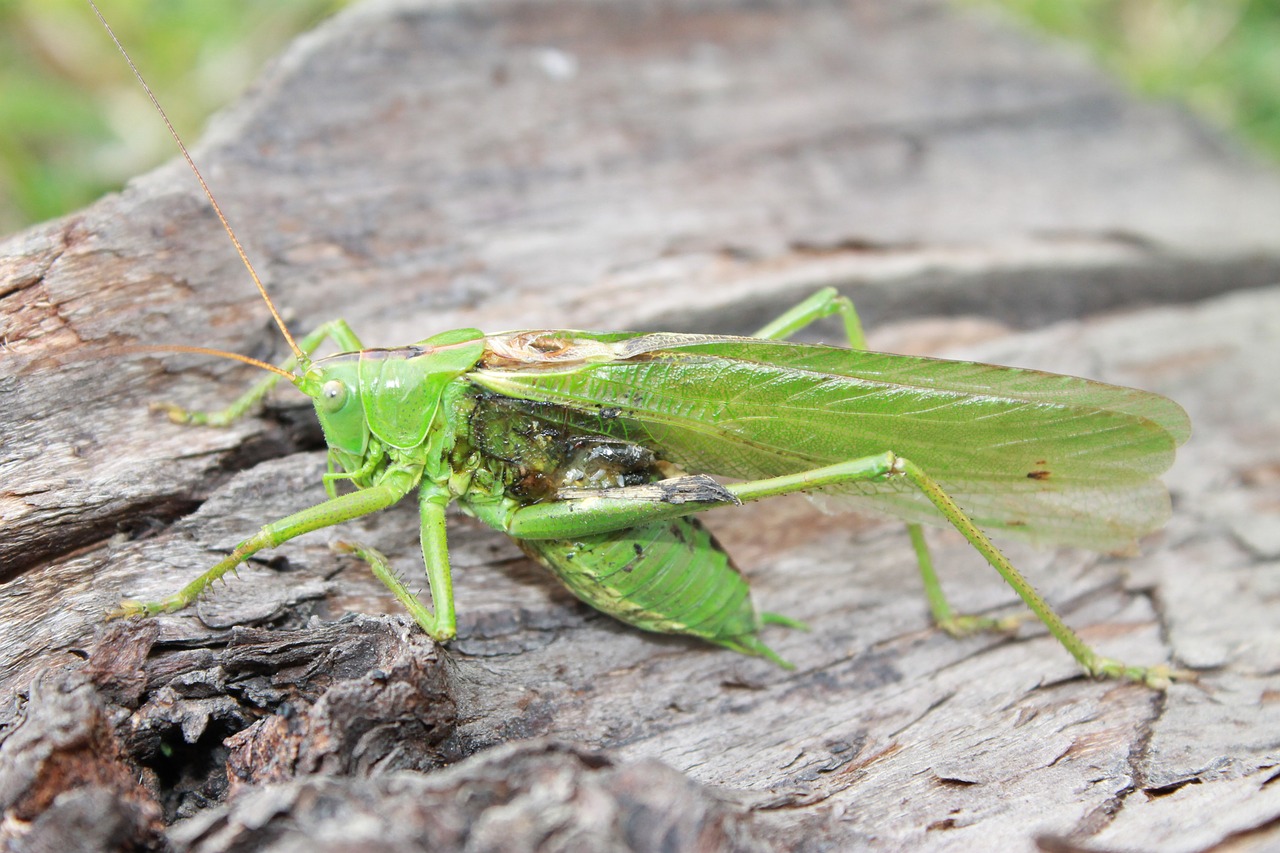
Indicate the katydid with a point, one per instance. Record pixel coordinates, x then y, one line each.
595 450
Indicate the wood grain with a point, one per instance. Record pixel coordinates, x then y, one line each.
417 166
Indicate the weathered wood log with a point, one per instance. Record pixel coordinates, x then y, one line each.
414 167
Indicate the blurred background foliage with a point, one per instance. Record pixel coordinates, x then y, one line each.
75 124
1219 57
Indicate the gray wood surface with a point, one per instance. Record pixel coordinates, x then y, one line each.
416 166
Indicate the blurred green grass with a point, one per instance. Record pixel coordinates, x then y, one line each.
1219 57
75 124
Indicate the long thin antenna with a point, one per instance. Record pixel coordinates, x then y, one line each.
297 353
217 353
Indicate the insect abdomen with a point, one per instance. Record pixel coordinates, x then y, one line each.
671 577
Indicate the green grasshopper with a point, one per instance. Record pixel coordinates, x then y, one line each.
593 451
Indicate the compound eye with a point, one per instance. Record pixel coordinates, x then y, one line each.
333 396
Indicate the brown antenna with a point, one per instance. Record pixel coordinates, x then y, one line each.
217 353
297 353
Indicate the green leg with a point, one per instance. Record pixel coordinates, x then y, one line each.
600 514
583 512
327 514
435 554
336 330
1094 664
825 303
946 619
890 465
442 624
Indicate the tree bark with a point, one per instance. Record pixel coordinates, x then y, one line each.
414 167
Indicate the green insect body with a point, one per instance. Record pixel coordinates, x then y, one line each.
669 576
594 450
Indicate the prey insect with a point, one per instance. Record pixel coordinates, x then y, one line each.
595 451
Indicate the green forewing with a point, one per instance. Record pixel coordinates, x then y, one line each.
1050 457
